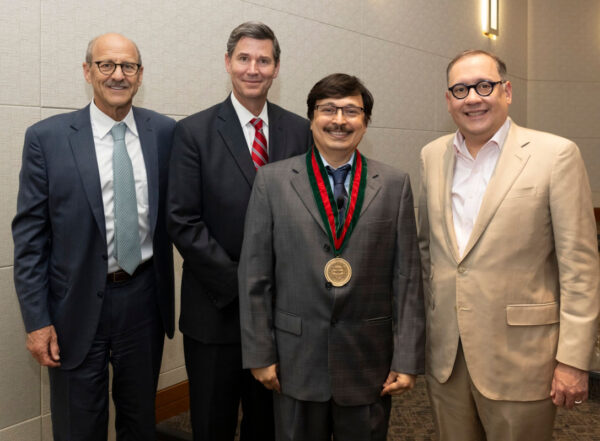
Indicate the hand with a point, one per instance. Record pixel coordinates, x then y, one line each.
268 377
43 345
569 385
398 383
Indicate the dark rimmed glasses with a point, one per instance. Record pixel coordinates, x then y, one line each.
108 67
348 111
483 88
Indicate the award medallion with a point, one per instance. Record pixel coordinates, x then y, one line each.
338 272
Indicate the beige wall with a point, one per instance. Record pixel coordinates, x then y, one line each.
564 75
398 47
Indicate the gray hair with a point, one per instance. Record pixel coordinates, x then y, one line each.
500 65
90 48
256 30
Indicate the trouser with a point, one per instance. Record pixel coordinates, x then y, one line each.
130 336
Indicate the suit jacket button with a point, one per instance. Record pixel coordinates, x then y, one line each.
104 257
333 322
327 248
328 285
100 294
462 269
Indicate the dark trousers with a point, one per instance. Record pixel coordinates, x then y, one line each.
297 420
217 384
130 336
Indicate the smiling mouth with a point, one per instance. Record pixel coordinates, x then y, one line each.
476 113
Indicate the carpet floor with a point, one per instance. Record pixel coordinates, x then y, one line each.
411 420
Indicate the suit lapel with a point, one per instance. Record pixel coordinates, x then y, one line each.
81 141
445 180
277 135
230 129
371 189
301 185
511 162
150 153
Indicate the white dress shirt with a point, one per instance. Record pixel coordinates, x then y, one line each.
471 177
347 181
104 144
244 115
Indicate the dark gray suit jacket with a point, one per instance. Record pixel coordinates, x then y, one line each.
211 178
59 231
331 342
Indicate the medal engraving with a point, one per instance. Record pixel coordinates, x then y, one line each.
338 272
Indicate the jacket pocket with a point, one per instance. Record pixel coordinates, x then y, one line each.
285 321
532 314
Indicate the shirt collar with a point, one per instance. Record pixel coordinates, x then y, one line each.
497 140
326 164
102 123
244 115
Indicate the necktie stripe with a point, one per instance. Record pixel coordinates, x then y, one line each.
259 146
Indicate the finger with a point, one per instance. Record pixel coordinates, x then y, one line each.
54 350
558 399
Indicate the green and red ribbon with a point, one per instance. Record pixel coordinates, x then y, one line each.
318 178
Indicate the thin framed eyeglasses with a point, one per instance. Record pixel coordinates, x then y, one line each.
483 88
108 67
348 111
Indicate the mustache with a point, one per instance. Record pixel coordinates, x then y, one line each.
334 127
113 83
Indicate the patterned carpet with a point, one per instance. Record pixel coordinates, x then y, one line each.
411 420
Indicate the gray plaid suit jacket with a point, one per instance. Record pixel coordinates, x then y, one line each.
328 341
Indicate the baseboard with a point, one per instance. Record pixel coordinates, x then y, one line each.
172 401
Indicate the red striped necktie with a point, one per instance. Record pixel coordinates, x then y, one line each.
259 147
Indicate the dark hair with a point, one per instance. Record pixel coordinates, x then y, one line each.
500 65
339 85
256 30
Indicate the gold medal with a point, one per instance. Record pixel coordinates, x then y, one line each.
338 271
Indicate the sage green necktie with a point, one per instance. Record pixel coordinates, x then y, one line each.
127 249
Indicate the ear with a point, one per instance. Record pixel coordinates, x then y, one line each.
140 76
86 72
276 70
508 91
448 98
227 63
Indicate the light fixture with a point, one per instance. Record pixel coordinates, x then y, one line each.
489 18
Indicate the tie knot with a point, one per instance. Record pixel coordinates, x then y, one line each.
257 123
118 131
339 174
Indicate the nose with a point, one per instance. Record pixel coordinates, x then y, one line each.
339 116
252 68
472 95
118 73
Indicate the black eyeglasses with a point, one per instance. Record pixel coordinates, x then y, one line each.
108 67
483 88
331 110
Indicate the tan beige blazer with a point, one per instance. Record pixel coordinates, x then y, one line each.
526 291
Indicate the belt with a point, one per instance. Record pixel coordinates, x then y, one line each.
122 276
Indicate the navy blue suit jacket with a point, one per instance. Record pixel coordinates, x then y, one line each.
60 257
209 187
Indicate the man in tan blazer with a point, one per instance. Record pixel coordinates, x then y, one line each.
508 245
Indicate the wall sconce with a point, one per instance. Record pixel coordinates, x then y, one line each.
489 18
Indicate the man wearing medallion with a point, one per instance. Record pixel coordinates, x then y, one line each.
330 286
510 265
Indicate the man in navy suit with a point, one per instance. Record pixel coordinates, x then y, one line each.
85 305
215 156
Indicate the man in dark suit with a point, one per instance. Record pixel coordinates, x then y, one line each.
330 287
93 263
215 156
